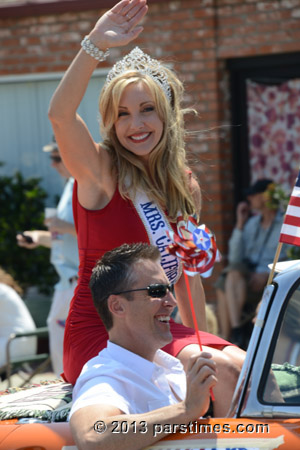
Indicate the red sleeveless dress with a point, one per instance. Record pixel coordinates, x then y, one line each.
100 231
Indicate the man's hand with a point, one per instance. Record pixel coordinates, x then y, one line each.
201 377
22 240
242 214
39 237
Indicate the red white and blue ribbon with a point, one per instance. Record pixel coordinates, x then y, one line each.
195 245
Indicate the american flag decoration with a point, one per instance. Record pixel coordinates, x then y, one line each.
290 230
195 245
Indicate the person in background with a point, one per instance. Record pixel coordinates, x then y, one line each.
61 238
14 318
132 379
252 248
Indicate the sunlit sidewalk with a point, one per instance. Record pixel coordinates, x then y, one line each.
17 379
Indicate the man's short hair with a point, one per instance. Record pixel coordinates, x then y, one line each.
113 273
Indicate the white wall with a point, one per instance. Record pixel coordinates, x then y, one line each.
25 128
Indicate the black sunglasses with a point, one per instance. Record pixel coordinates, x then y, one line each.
56 159
154 290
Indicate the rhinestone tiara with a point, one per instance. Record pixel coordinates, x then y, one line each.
143 63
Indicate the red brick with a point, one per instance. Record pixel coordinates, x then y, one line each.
231 21
194 25
224 11
295 35
205 12
275 16
10 62
206 5
267 6
244 9
243 50
291 24
10 42
30 40
47 19
278 48
183 15
206 75
269 27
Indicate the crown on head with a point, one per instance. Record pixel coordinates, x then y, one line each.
143 63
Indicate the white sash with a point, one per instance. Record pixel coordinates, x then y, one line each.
156 224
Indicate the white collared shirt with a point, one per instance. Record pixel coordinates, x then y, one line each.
120 378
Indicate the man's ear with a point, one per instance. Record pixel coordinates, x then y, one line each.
116 305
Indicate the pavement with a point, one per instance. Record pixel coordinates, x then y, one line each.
17 379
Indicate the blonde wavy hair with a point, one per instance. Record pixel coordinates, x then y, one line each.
167 181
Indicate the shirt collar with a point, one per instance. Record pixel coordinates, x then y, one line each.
142 365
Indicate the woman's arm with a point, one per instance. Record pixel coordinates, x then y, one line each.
56 225
82 156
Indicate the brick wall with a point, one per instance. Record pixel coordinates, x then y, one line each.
197 36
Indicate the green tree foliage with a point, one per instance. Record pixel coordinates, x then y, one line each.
22 203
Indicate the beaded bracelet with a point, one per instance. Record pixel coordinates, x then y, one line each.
92 50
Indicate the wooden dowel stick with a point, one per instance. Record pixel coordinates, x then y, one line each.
271 274
195 322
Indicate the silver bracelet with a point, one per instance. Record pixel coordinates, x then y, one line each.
92 50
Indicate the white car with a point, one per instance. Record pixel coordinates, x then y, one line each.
265 411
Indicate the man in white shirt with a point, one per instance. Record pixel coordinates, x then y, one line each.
131 381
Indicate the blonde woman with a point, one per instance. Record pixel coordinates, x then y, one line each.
131 187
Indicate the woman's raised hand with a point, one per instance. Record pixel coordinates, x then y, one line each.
118 26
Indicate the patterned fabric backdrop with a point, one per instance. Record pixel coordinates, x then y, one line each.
274 131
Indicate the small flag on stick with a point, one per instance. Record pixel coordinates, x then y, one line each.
290 230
